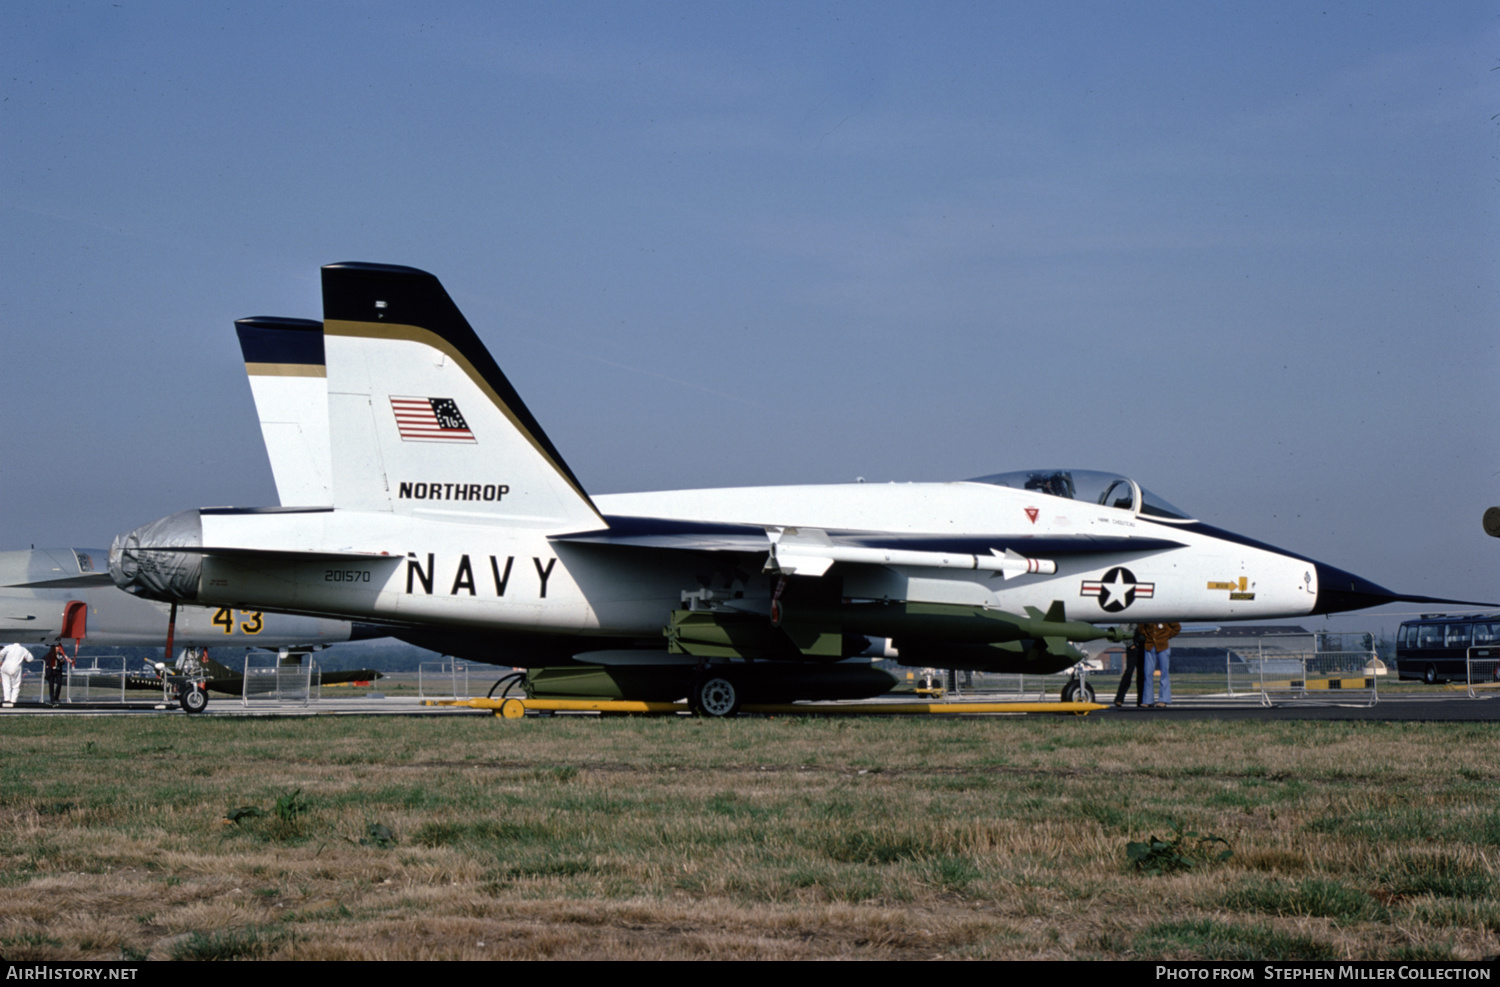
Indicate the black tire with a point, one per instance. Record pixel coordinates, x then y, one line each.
1430 676
716 696
193 699
1070 691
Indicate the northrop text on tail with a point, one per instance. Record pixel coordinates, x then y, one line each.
453 518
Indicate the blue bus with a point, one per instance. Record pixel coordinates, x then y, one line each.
1434 647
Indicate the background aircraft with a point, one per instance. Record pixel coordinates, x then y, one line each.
454 513
65 595
218 677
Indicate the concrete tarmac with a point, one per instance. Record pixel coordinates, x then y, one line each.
1439 705
1448 707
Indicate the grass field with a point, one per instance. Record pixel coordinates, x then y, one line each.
471 837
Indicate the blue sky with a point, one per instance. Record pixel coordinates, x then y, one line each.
1245 253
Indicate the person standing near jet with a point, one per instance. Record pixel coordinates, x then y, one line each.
1158 657
52 671
12 657
1135 654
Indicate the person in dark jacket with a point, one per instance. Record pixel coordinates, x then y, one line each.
52 664
1135 656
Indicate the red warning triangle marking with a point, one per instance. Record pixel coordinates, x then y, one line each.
1032 512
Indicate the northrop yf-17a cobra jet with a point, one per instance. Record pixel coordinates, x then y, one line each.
453 515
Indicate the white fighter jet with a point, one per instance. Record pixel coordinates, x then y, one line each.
450 512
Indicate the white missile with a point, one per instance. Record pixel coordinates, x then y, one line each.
809 552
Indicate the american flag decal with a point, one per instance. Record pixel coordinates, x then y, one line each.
430 420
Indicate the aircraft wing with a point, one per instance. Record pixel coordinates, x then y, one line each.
687 536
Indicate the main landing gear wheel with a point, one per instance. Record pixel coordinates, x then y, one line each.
716 696
194 699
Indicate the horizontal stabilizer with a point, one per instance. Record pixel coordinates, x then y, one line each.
164 560
87 580
264 554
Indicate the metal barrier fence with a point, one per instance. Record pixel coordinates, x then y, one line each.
1274 658
1291 667
444 680
268 681
1015 687
1481 667
1323 676
1242 672
94 679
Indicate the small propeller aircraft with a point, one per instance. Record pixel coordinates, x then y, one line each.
450 512
207 675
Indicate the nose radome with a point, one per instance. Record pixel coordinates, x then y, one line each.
1340 591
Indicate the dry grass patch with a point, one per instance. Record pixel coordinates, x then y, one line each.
787 838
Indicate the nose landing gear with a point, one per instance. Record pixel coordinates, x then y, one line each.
1075 691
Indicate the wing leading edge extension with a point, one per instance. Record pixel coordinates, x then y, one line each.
811 551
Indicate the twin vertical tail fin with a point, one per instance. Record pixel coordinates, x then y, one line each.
288 378
421 419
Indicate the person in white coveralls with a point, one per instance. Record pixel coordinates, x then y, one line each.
12 657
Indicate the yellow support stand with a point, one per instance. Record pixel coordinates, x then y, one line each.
1286 685
514 708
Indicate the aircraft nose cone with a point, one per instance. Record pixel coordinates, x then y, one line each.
1339 591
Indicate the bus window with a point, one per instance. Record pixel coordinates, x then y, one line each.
1484 634
1457 636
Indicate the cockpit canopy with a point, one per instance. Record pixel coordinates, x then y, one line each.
1090 486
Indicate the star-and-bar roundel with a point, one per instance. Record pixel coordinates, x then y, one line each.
1118 589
